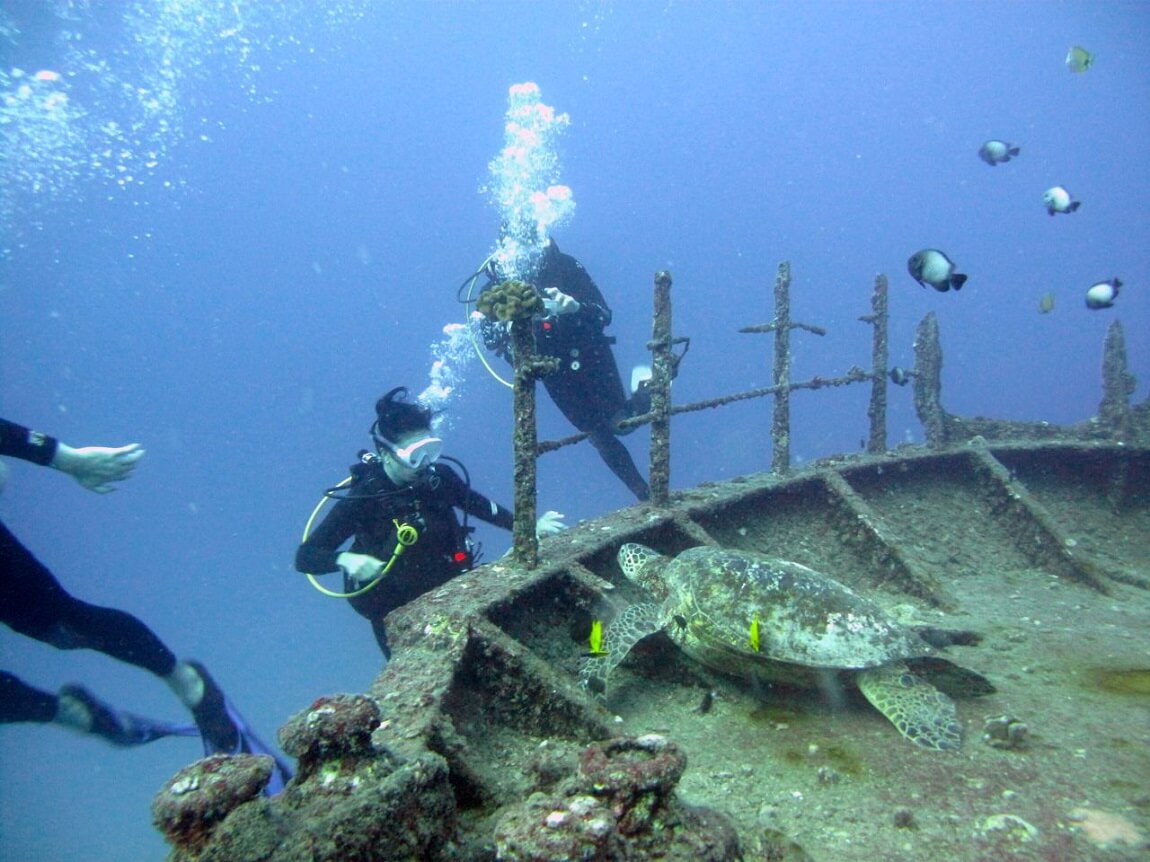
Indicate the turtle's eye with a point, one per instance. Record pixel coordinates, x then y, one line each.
680 620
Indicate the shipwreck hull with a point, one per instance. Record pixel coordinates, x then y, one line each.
1044 548
478 743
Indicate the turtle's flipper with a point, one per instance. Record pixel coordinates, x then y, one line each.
951 679
921 712
632 624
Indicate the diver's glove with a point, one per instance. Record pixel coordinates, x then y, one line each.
549 523
556 302
360 568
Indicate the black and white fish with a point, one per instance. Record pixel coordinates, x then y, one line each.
997 152
933 267
1058 200
1103 294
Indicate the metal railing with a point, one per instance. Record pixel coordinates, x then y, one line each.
941 428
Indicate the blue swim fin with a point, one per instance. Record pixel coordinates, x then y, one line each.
224 730
123 729
251 744
640 374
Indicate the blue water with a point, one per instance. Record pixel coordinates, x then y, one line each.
245 222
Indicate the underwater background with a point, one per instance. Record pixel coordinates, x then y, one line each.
228 227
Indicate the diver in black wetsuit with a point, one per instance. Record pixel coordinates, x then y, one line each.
399 512
587 387
34 603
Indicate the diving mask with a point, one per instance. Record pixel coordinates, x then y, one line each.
418 454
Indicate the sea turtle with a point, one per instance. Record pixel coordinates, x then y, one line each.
762 618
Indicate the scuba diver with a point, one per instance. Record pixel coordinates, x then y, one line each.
35 604
587 387
399 511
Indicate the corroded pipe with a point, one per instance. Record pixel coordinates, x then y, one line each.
928 381
525 544
515 302
876 412
1117 385
661 372
781 418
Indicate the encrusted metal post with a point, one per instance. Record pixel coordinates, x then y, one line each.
781 420
928 381
661 368
879 319
1118 385
525 544
514 303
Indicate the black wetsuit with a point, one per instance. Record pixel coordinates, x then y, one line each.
33 603
587 387
367 514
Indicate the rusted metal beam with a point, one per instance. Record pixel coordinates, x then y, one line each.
661 373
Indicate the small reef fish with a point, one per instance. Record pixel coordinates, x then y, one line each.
756 644
1078 59
1058 200
1103 294
707 702
1046 302
997 152
933 267
596 640
899 376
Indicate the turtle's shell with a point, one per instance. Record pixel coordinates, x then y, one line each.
715 596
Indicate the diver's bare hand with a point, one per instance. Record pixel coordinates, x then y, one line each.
360 568
97 467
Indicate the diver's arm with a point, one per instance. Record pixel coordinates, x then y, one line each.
97 467
596 315
570 278
94 467
320 552
472 502
360 568
25 444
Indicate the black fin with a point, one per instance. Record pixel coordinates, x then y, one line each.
941 638
957 280
951 679
1013 151
1074 205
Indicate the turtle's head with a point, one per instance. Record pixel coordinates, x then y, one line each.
645 567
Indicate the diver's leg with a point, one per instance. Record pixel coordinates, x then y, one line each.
380 632
21 702
638 404
122 636
616 456
113 632
373 606
35 604
78 709
222 728
640 400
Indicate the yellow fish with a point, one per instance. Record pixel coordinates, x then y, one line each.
1078 59
756 644
1046 303
596 640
